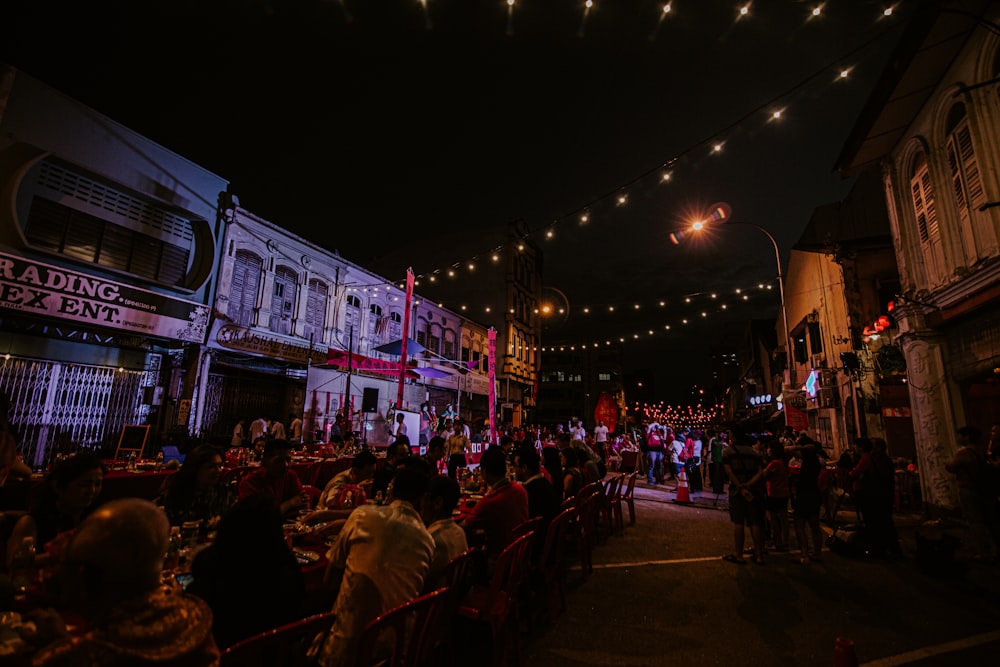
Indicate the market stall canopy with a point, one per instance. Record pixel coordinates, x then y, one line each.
428 372
396 347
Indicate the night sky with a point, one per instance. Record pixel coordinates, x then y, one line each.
339 118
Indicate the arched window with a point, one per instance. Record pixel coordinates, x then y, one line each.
352 314
395 326
282 300
377 325
925 212
243 289
319 292
448 350
967 186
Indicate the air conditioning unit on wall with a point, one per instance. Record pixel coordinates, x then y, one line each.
817 361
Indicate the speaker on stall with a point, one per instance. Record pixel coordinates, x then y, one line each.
369 402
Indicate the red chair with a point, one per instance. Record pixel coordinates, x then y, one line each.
284 646
457 576
407 635
628 498
615 504
549 573
497 605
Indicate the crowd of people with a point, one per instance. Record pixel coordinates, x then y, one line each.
392 526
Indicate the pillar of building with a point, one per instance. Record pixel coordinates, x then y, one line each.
930 401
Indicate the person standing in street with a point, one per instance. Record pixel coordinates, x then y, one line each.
977 507
745 470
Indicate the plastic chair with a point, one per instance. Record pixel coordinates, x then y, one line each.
284 646
615 504
457 576
409 633
550 571
628 498
497 605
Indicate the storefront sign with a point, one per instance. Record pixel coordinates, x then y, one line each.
34 288
264 344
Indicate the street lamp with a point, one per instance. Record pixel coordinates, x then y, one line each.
721 214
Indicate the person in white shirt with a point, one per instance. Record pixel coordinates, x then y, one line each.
295 429
258 429
600 433
380 560
676 453
577 432
449 538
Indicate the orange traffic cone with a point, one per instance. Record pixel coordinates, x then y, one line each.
683 496
843 653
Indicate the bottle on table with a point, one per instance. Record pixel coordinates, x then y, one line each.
159 460
131 461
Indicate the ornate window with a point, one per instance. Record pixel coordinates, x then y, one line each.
318 294
925 212
377 325
967 186
243 289
352 314
282 300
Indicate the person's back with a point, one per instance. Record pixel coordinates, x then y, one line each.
248 576
132 621
383 554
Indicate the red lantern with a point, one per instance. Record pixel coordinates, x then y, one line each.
606 411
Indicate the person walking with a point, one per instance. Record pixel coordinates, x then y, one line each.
654 457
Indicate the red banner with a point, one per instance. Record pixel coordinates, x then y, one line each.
606 411
360 362
795 418
492 365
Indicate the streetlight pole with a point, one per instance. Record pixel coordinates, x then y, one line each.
721 214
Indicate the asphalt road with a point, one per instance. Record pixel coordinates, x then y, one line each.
661 592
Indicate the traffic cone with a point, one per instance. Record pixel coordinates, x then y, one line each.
683 496
843 653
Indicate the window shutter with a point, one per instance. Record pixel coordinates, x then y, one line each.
243 291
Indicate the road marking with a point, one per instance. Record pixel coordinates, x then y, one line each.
931 651
644 563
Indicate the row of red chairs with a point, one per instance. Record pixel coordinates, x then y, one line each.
531 569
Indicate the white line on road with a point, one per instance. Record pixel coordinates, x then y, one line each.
930 651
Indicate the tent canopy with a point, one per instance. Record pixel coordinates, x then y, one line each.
396 347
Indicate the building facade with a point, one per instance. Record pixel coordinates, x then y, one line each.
298 330
108 257
933 127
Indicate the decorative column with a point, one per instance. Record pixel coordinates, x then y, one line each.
930 400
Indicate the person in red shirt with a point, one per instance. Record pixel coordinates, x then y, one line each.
274 478
504 507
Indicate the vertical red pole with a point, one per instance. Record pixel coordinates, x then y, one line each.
406 335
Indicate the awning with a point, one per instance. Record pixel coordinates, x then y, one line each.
428 372
396 347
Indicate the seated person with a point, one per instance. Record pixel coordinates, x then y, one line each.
196 491
543 500
111 575
436 509
435 453
248 576
333 503
504 507
379 561
275 479
397 452
362 470
67 495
